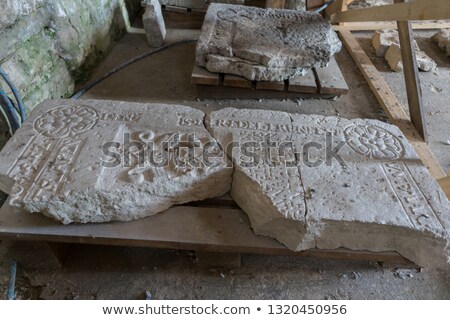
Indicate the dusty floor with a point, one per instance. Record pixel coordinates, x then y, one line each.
96 272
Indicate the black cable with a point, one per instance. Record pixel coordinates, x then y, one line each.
125 64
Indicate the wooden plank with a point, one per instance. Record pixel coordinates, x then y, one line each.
411 74
416 10
270 85
370 26
338 5
306 83
390 104
183 227
231 80
183 20
202 76
331 80
445 185
275 4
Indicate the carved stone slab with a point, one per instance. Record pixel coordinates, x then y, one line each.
264 44
96 161
336 183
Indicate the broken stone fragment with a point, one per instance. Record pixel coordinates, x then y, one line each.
240 39
442 38
394 59
154 26
326 182
295 5
97 161
383 39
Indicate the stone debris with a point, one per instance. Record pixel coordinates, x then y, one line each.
442 38
154 26
97 161
394 59
387 44
361 4
264 44
371 193
295 5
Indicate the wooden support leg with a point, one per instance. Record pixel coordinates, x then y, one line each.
224 260
37 255
412 80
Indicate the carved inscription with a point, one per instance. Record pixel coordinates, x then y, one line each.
411 198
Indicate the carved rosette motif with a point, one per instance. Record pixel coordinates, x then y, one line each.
66 121
373 142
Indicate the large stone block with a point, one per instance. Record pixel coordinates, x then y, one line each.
327 182
96 161
254 42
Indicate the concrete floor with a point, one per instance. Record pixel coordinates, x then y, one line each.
96 272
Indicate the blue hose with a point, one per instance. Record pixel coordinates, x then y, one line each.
10 111
12 280
23 112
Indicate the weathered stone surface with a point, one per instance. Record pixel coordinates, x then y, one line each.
394 59
64 38
442 38
372 193
154 26
265 38
57 162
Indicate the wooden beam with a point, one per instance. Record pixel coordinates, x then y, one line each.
390 104
416 10
338 5
412 80
369 26
275 4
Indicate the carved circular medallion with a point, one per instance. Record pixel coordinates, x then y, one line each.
373 142
66 121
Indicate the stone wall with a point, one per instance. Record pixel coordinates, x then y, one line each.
47 45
